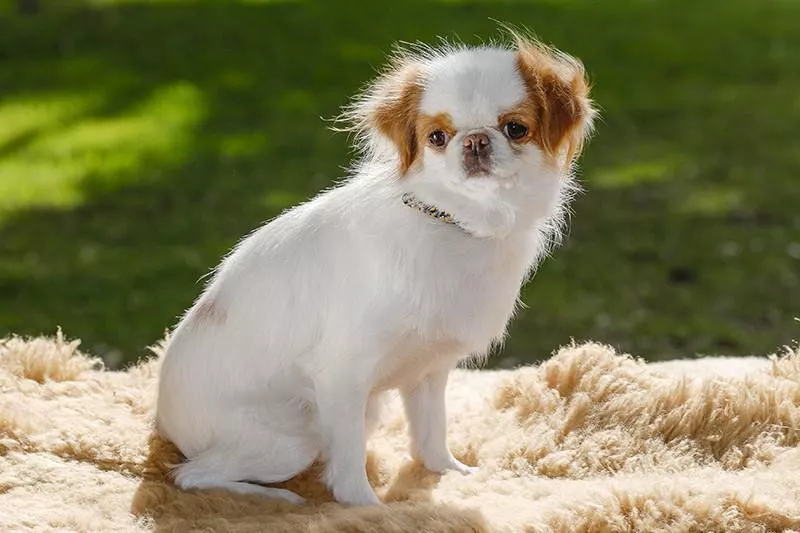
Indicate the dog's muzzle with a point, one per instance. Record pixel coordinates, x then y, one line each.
477 154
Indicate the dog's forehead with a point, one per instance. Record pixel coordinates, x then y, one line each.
473 86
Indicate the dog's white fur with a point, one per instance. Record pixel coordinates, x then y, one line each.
284 357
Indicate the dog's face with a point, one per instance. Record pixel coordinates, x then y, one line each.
490 124
473 121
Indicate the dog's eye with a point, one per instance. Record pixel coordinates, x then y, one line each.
515 130
438 138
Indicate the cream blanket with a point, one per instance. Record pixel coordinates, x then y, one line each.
588 441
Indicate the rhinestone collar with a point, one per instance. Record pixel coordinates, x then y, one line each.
431 210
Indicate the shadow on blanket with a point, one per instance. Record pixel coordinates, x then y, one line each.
169 509
589 441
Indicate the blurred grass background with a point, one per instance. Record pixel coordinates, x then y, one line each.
140 139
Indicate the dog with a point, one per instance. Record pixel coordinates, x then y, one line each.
385 281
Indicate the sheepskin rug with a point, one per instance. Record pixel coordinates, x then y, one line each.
589 441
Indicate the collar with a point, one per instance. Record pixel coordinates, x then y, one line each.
431 210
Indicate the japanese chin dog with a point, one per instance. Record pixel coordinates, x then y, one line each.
385 281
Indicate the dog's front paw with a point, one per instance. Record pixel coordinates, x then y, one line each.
465 469
441 466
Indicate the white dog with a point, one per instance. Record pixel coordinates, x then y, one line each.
386 281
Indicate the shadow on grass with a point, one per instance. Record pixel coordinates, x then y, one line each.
151 136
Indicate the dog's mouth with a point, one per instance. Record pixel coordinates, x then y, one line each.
477 166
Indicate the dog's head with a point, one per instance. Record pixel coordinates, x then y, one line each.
474 122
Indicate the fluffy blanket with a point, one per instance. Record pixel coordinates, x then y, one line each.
589 441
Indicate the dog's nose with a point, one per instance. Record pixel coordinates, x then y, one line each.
476 143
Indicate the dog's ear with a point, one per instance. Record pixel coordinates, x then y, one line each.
396 110
557 89
390 106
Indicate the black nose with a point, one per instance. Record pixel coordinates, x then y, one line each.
477 144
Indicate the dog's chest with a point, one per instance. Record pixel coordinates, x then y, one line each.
444 328
473 314
441 301
462 300
412 359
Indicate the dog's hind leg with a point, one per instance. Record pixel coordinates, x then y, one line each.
237 466
242 487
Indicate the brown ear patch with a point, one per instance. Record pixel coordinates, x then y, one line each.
395 113
557 97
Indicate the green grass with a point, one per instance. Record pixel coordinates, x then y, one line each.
139 140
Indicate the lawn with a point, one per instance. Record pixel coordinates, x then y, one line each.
140 139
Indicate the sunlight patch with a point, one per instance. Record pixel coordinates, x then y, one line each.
163 2
24 116
637 173
713 201
57 168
